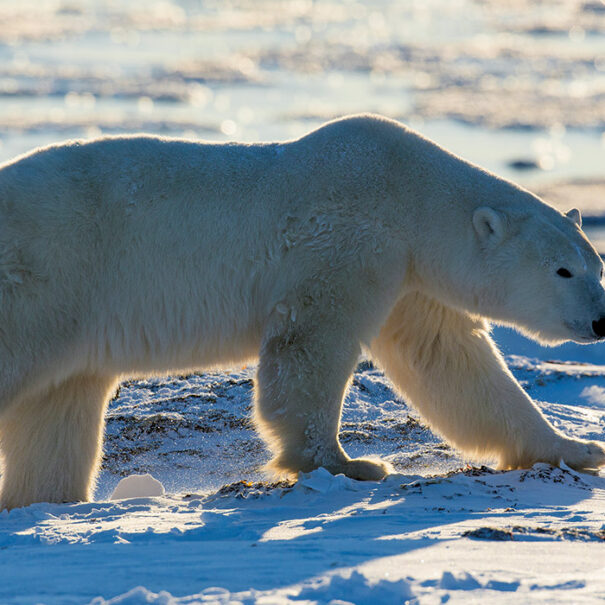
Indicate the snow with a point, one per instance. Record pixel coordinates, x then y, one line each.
474 533
595 395
137 486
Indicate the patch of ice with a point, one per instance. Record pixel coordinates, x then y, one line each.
356 589
142 596
459 581
138 596
503 585
570 585
594 394
137 486
322 481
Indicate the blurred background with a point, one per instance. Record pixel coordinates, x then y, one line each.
516 86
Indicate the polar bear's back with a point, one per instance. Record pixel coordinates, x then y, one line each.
143 243
132 239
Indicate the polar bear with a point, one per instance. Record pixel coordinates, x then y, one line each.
137 255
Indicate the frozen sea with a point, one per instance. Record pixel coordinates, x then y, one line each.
517 87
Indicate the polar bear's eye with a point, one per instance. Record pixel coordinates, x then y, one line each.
564 272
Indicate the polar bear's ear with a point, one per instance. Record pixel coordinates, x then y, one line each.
575 216
489 225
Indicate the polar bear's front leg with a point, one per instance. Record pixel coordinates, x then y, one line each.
303 373
445 362
51 444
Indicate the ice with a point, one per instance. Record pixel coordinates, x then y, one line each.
460 581
137 486
356 589
322 481
595 395
138 596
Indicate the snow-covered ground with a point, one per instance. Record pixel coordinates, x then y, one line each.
439 530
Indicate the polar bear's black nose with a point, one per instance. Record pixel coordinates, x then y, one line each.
599 327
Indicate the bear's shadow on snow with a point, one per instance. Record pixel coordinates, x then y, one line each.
392 518
322 522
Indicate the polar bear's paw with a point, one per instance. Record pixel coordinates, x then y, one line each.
362 469
366 469
583 455
578 454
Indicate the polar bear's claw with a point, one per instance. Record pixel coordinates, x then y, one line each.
584 455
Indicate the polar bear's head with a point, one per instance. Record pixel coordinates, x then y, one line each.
544 276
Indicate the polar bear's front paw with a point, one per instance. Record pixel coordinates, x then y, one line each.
583 455
365 469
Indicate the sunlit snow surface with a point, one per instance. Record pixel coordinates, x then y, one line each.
518 87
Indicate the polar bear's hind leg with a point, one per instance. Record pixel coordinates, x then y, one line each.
51 444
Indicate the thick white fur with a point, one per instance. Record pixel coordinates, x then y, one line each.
140 255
